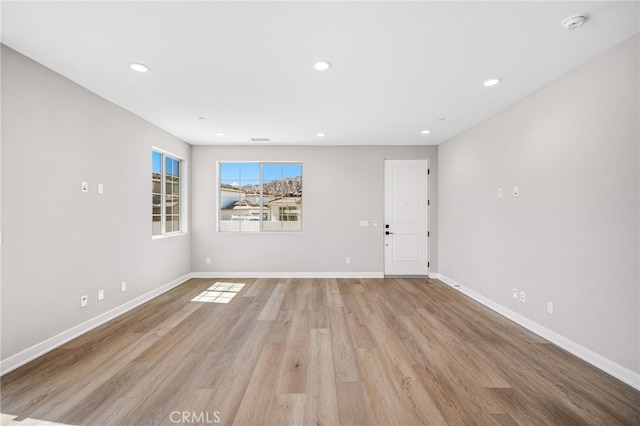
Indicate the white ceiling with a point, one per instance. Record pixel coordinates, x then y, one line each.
398 67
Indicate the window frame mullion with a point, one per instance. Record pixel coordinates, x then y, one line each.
261 199
163 191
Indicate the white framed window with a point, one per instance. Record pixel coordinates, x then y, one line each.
259 196
167 195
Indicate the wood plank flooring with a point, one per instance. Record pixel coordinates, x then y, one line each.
314 352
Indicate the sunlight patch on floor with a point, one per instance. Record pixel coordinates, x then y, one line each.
9 419
220 292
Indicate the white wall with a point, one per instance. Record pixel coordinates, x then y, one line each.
341 187
572 235
60 243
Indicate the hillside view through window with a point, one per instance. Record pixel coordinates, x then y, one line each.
256 197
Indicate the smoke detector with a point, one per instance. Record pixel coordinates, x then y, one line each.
574 21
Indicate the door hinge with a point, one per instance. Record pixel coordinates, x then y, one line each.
428 264
428 234
428 171
428 202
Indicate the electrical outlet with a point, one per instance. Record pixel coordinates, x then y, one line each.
208 261
123 286
100 188
85 186
100 294
522 298
348 260
550 308
84 300
500 192
514 292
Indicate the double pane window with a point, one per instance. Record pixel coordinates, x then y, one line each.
165 193
255 197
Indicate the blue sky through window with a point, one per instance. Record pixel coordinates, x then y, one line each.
240 171
156 158
172 166
243 173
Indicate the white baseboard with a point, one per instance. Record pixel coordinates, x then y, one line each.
41 348
610 367
288 275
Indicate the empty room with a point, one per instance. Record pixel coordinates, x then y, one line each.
320 213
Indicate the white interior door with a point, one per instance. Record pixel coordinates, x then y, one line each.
406 206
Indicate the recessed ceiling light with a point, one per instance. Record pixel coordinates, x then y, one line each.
492 82
573 22
200 118
137 66
322 65
321 135
441 119
219 134
425 132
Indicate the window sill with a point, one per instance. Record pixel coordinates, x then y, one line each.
173 234
259 232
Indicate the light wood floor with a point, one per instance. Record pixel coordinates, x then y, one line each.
315 351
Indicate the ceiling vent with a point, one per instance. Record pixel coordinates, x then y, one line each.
573 22
260 140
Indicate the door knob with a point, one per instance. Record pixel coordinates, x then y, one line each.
388 233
